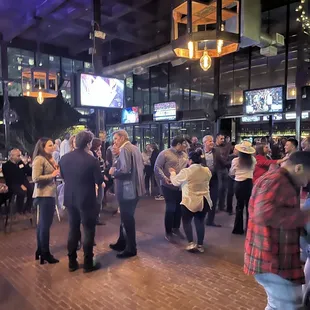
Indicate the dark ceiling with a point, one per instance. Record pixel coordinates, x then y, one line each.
132 27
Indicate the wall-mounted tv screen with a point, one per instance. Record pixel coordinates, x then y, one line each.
130 115
250 119
166 111
101 92
265 100
275 117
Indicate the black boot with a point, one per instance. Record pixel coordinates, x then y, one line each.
38 254
49 258
91 266
73 265
118 246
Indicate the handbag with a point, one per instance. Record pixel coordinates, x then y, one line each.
129 190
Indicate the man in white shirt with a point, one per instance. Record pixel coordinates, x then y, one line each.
65 146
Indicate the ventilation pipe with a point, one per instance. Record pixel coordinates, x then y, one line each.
250 35
139 64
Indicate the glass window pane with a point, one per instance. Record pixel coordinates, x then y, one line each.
17 60
42 60
164 143
141 92
88 68
66 67
159 84
54 63
77 66
179 85
66 91
129 92
15 89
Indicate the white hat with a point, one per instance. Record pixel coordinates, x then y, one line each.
245 147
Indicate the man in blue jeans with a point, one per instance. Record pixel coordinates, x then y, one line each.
272 250
177 159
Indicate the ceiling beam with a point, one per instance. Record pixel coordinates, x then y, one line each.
30 18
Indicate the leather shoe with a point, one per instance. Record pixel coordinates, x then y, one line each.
126 254
73 266
118 247
95 267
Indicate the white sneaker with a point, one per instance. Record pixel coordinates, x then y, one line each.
200 249
159 197
191 247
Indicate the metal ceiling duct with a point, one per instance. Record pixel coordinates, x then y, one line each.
163 55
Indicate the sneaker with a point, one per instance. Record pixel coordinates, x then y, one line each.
176 232
159 197
200 248
191 247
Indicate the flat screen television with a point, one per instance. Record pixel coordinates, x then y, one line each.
130 115
165 111
264 100
100 92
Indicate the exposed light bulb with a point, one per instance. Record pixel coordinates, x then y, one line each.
219 46
28 93
241 99
40 98
190 46
205 61
27 86
302 1
220 43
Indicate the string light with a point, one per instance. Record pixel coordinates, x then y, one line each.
220 43
190 46
303 19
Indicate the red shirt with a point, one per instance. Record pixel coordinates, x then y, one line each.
262 166
275 219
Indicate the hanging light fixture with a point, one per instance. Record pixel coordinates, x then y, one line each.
205 60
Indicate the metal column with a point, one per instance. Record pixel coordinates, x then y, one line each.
6 102
97 60
300 82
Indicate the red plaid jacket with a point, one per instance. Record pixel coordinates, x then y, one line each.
275 221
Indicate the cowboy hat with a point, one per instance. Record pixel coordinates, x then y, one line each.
245 147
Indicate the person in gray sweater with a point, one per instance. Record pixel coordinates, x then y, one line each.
177 159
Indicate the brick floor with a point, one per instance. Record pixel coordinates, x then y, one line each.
162 276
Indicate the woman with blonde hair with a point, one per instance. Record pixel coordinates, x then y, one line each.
44 173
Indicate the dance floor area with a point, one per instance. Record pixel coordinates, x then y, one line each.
162 276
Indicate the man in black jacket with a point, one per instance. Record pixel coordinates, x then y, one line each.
15 173
81 173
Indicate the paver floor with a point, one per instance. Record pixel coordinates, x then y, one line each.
162 276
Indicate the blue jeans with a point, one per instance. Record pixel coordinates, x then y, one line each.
281 293
46 207
199 218
127 233
173 213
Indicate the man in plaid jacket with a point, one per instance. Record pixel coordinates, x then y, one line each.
272 251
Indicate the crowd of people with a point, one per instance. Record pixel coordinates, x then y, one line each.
195 180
